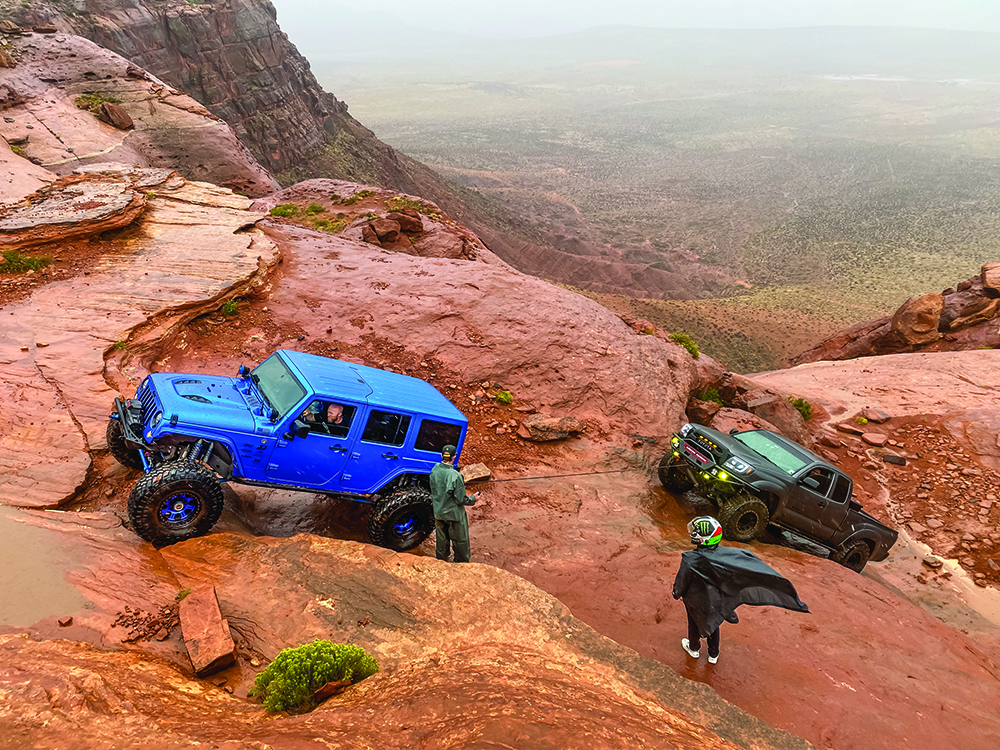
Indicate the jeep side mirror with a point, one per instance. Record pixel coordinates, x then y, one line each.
299 429
243 371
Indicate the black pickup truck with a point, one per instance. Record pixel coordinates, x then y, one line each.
757 477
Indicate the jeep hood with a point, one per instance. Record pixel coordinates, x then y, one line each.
203 399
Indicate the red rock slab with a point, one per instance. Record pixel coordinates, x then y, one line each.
206 633
190 252
565 353
451 641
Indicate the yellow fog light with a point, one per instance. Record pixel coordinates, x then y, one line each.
723 476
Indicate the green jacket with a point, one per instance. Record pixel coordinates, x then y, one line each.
448 493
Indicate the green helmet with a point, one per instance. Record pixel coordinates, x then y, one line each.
705 531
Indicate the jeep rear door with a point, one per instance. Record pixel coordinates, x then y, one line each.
379 452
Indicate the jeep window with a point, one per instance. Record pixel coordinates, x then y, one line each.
433 436
841 490
778 454
277 384
386 428
328 417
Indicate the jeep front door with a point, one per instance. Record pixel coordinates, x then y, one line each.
317 459
378 453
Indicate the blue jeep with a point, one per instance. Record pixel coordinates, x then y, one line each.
296 421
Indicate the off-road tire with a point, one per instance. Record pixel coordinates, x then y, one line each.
175 501
124 455
744 518
403 520
853 556
672 476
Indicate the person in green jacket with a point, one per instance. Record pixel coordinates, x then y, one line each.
449 498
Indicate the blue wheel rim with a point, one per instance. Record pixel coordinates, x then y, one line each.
179 509
405 526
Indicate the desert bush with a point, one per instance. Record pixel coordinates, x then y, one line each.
712 394
290 680
861 420
285 210
505 397
358 196
400 202
804 407
314 208
230 307
687 342
93 102
330 225
15 262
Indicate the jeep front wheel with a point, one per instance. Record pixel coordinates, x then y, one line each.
403 520
672 475
853 556
743 518
177 500
124 455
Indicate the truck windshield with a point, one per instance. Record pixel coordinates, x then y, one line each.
277 384
777 453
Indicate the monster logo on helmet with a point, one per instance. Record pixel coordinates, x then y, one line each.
705 531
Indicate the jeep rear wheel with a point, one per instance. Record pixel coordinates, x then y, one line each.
124 455
177 500
743 518
853 556
403 520
672 475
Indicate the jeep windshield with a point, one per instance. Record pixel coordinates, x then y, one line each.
277 384
778 453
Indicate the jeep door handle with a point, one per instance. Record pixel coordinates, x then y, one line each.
390 455
338 449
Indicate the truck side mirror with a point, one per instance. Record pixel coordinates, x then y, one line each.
243 371
812 483
299 429
734 431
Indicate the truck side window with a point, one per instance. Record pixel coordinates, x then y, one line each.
433 436
825 479
386 428
841 490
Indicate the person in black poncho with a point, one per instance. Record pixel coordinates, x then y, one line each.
713 581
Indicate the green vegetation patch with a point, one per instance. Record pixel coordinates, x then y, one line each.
505 397
401 202
687 342
358 197
285 210
93 102
314 208
330 225
230 307
15 262
712 395
290 680
804 407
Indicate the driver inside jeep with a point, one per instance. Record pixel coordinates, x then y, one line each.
329 420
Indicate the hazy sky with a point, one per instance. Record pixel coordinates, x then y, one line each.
534 17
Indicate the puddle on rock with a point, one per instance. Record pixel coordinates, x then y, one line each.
33 574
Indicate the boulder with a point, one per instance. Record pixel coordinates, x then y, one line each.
732 385
702 412
476 472
916 321
730 419
206 634
874 415
990 275
386 229
539 429
407 223
368 235
6 59
874 438
113 114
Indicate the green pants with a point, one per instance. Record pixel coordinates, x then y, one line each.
453 533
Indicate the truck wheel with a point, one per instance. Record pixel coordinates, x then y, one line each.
116 444
403 520
743 518
673 476
177 500
853 556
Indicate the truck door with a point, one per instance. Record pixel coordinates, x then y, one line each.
317 459
807 501
836 508
378 453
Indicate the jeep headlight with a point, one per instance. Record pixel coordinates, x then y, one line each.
686 429
738 466
157 418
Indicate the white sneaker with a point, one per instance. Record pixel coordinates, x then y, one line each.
687 647
713 659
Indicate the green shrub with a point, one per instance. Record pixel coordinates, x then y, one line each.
314 208
687 342
19 151
290 680
15 262
120 345
285 210
230 307
712 395
505 397
93 102
358 196
330 225
861 420
804 407
399 203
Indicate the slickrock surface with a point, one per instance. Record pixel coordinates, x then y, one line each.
187 250
170 128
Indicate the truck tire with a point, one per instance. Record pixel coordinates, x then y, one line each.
744 518
124 455
672 476
177 500
853 555
402 520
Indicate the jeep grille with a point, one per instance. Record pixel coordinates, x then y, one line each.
148 399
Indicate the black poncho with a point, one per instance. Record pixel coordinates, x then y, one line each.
714 581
